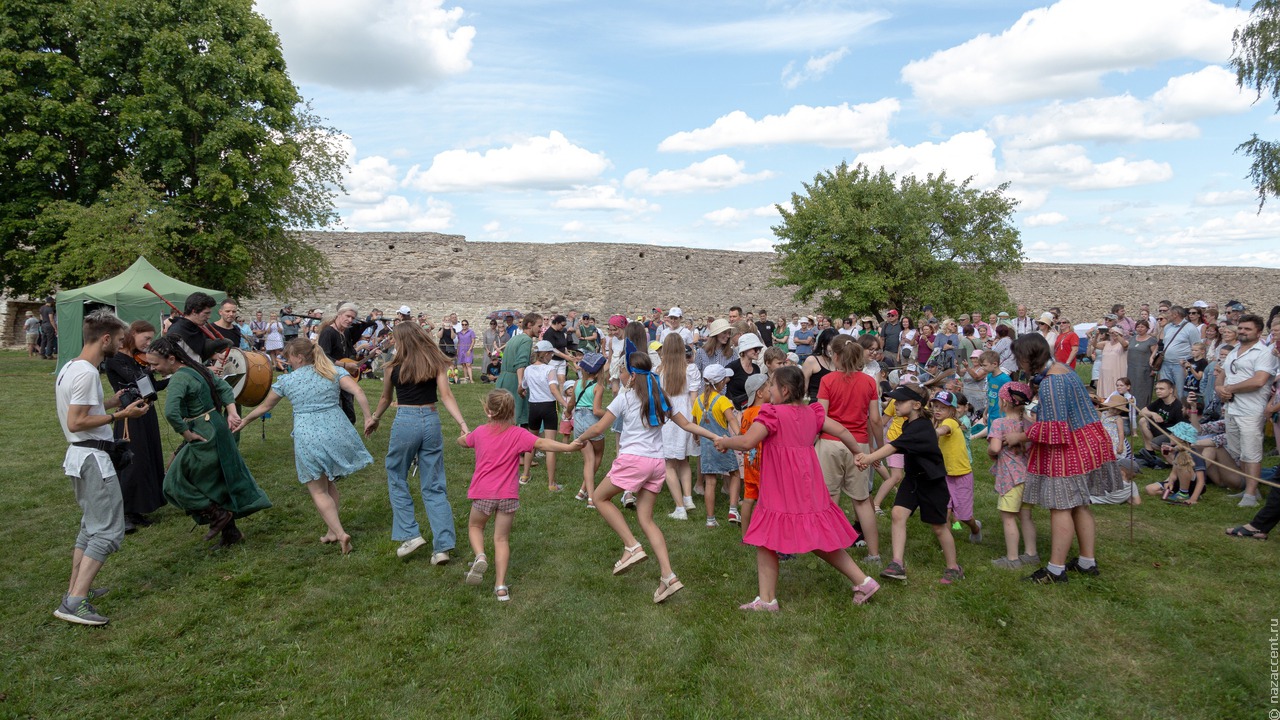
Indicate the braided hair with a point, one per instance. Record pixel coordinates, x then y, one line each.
167 347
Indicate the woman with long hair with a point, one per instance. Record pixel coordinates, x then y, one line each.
418 377
326 447
207 476
1071 458
715 348
907 340
466 345
142 481
817 365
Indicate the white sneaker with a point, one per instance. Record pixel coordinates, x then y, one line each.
679 514
440 558
408 546
688 503
711 522
628 499
1248 501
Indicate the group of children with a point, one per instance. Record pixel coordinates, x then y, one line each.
767 452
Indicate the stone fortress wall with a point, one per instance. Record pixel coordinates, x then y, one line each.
437 274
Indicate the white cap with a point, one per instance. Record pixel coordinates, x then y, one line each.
544 346
675 312
404 310
1199 304
749 341
806 319
715 373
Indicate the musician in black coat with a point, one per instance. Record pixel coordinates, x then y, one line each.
141 482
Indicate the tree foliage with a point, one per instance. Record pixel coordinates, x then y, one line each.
862 241
182 109
1255 57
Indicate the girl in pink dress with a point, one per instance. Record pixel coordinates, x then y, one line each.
795 513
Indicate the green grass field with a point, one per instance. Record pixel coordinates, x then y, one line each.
1178 625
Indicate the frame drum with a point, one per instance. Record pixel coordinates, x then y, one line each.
248 374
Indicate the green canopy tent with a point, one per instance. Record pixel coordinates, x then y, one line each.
125 293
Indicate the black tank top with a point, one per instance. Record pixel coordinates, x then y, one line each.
421 393
815 380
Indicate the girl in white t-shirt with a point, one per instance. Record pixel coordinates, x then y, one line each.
640 466
542 387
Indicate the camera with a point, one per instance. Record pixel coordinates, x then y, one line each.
140 389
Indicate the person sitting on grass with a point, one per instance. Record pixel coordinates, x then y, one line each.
495 486
923 486
1154 420
1186 482
796 513
1007 445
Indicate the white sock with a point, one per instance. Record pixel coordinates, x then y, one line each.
1086 563
1056 569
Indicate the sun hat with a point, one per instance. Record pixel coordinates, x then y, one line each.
617 321
1015 393
793 358
717 327
749 341
404 310
868 319
1184 432
715 373
675 312
1115 401
1002 314
544 346
945 397
1046 318
591 363
754 383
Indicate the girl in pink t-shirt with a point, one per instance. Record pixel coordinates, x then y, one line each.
495 486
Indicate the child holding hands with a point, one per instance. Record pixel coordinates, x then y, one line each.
796 513
495 486
640 466
1007 445
924 483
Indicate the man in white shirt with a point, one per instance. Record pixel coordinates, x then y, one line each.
674 324
1244 389
792 327
82 412
1023 324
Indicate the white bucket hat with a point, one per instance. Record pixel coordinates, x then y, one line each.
749 341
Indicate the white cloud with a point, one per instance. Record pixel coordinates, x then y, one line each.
1228 197
573 226
714 173
814 68
397 213
1069 166
795 32
1045 219
550 162
1205 93
1064 50
761 244
492 226
733 216
370 180
1042 251
1166 115
365 45
1117 118
969 154
601 197
858 127
1212 236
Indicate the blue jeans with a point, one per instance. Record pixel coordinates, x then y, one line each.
416 434
1173 371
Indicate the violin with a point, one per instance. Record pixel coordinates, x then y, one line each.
140 357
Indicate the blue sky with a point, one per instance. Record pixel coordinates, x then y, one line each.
1115 121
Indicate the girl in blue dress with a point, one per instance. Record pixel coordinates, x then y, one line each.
326 447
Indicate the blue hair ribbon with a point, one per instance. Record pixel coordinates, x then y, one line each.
654 402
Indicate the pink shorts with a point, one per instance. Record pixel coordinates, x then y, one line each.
635 473
961 489
896 460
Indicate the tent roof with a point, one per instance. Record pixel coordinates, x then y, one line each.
127 286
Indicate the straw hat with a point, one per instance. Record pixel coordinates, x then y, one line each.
717 327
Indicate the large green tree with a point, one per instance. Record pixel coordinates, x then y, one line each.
182 109
861 241
1256 59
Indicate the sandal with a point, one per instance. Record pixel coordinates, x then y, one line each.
582 495
476 573
591 504
502 592
631 556
1241 531
667 587
524 479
